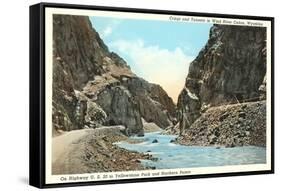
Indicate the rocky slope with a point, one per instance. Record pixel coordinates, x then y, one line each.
229 125
230 69
93 86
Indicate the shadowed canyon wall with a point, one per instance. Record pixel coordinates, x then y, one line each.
93 86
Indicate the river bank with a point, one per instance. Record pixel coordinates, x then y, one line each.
92 150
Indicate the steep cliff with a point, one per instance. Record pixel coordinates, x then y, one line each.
93 86
230 69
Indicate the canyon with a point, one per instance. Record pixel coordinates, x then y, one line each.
98 100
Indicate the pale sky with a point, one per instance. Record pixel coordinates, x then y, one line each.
158 51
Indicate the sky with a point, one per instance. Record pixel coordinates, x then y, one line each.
158 51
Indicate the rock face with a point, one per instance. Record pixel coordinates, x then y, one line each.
79 49
153 102
93 86
230 69
221 103
121 109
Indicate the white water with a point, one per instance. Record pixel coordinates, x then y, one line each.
172 155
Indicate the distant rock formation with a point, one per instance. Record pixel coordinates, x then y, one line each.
93 86
153 102
230 69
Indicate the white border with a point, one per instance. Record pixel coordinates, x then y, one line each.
56 179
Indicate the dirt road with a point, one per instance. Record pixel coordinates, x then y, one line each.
92 150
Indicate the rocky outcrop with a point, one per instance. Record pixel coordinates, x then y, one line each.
95 115
73 59
79 48
229 125
153 102
121 109
229 69
93 86
127 99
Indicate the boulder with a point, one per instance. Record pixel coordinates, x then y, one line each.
155 141
95 115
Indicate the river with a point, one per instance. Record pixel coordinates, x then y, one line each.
170 155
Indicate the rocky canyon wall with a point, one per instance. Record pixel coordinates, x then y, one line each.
230 69
93 86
